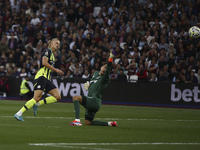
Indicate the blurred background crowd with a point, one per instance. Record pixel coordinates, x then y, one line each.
150 38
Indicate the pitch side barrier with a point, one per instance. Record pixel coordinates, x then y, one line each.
163 94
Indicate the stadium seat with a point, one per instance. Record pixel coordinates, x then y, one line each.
133 78
66 24
116 60
127 76
125 72
96 11
139 48
2 94
129 60
122 45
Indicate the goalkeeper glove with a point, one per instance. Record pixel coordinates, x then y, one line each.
86 85
112 53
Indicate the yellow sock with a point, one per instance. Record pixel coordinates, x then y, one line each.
48 100
28 105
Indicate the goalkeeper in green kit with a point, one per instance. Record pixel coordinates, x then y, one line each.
92 102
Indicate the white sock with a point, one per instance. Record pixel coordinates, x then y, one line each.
37 104
19 113
109 123
78 120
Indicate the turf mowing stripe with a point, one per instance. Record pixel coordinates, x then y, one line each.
68 145
129 119
99 144
78 147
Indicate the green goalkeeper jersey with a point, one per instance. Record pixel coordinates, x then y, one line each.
99 83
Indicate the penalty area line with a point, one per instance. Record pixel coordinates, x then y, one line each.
99 144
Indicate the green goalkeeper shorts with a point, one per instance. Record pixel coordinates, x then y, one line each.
92 105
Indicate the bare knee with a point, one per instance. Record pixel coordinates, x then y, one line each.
58 97
77 97
87 122
55 93
37 96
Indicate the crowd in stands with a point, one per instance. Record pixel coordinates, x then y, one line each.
150 37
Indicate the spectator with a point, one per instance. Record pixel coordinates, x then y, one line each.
118 52
12 43
4 87
72 57
35 20
142 73
166 72
88 40
92 59
152 67
171 49
76 73
32 71
161 62
144 23
99 19
86 74
113 42
96 65
2 71
69 74
34 50
76 69
153 43
198 75
9 71
114 74
23 73
121 76
192 78
180 78
92 73
171 61
15 72
197 67
112 9
3 45
9 64
148 37
131 69
152 53
162 77
153 78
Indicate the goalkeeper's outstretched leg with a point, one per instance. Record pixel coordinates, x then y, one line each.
92 106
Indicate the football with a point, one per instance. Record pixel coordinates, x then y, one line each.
194 32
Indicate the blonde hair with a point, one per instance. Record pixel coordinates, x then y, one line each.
49 42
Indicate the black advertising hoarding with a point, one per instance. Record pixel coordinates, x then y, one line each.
152 93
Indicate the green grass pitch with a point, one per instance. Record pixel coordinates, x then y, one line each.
139 128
